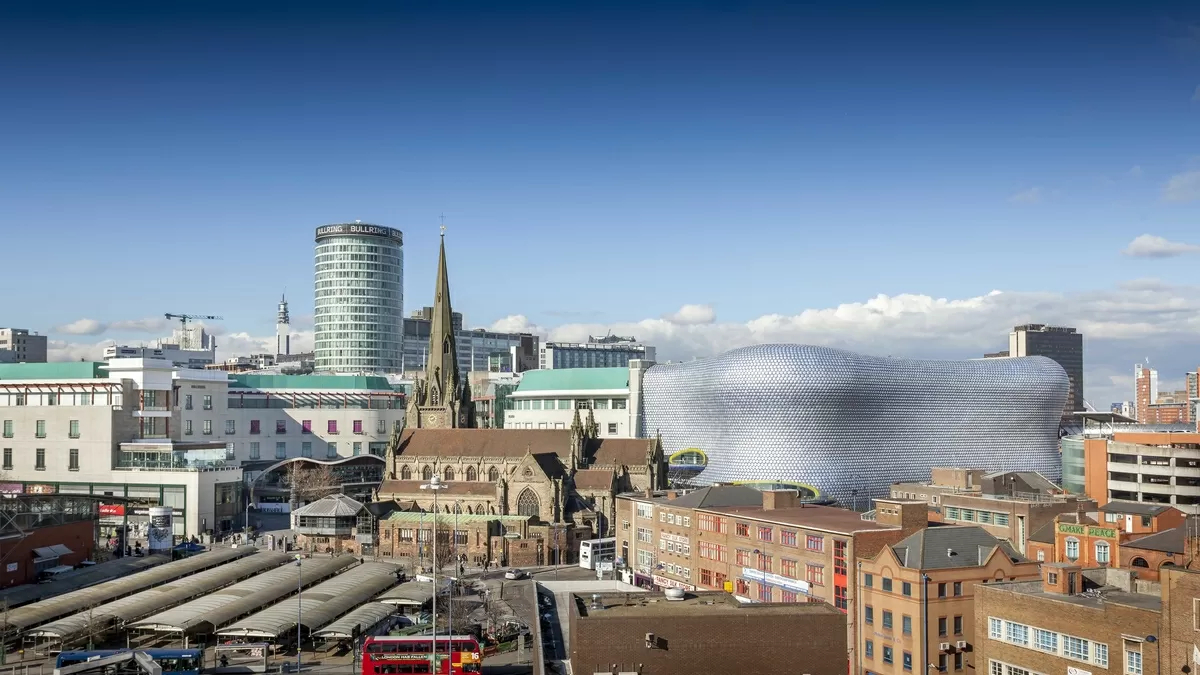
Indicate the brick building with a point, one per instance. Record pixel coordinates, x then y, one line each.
42 532
1176 547
1070 621
1010 505
1098 540
762 546
704 633
1154 467
931 573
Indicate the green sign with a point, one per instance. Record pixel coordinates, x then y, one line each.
1090 531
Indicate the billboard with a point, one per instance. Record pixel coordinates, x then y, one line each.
161 531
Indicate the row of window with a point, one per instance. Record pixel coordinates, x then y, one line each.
39 459
306 449
568 404
765 533
889 656
906 588
976 516
1061 644
612 426
39 429
672 519
675 547
493 474
58 398
1102 549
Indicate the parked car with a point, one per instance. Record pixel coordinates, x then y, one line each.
514 573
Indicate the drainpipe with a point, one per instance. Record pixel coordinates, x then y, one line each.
924 624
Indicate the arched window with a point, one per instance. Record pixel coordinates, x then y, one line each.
471 473
1102 553
528 504
1072 549
426 473
405 473
493 474
1166 564
449 473
457 507
1139 562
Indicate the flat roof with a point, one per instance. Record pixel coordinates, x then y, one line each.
65 370
239 381
80 578
716 603
1095 600
827 518
572 379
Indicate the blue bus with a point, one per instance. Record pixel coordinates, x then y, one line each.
173 661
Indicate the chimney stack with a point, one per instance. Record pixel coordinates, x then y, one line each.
780 499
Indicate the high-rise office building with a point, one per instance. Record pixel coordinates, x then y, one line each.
359 298
476 347
605 352
26 347
1146 387
1062 344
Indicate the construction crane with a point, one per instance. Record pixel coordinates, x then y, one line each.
184 318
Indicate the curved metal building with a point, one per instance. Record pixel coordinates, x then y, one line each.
838 424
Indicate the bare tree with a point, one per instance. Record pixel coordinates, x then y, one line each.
311 482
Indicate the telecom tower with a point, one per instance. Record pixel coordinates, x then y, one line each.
283 338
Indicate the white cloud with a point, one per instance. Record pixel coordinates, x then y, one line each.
1135 170
691 315
1182 187
82 327
93 327
1031 196
1121 326
61 350
1152 246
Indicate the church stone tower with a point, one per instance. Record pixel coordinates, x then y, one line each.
440 399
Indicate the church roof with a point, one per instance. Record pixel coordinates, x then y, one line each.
453 488
595 479
620 451
549 463
573 379
512 443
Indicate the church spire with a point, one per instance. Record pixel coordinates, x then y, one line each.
441 368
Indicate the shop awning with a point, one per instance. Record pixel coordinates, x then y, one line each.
50 552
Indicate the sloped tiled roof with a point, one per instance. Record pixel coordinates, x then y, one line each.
462 488
1135 508
484 442
620 451
550 464
594 479
333 505
1168 541
719 495
1045 533
947 547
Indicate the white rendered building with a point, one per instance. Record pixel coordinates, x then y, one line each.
548 399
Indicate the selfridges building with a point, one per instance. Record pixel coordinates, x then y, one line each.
841 425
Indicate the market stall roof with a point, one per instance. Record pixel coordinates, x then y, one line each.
365 617
241 599
139 605
411 593
18 596
44 611
318 606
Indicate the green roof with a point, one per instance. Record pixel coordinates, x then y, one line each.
361 382
573 379
64 370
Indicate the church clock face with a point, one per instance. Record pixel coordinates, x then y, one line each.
431 419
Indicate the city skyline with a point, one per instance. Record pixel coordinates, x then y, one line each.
719 179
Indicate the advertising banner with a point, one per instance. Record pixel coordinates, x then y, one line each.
161 533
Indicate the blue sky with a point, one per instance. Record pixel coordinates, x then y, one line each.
601 168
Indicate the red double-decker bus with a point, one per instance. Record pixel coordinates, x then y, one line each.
386 655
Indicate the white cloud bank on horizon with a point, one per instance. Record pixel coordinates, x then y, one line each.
1152 246
1121 326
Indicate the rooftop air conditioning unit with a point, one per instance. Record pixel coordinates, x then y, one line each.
961 644
944 647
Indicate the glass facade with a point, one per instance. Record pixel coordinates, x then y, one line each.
359 298
1074 476
837 421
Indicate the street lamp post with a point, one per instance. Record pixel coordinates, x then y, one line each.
450 600
1157 652
763 580
434 485
299 602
